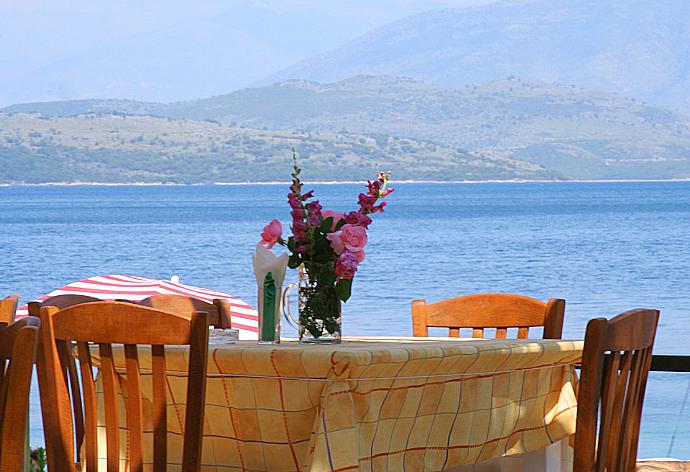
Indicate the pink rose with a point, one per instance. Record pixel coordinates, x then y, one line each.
346 266
350 238
325 214
271 234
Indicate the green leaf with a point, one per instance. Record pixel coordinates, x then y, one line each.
328 278
291 244
344 289
294 261
323 252
326 225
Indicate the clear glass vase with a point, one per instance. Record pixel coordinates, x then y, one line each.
319 311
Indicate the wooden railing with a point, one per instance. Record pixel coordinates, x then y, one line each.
670 363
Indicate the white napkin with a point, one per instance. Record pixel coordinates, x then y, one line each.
265 261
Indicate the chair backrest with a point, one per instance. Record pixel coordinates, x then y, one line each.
490 310
218 311
103 324
8 309
18 343
615 364
68 300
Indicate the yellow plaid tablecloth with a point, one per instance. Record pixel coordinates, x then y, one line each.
376 403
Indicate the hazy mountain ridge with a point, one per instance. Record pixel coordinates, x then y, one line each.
637 48
120 148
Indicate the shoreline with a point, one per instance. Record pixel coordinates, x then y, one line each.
330 182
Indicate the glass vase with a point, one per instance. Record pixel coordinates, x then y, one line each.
319 310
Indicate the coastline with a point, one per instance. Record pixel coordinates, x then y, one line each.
329 182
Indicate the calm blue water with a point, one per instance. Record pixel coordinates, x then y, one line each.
605 247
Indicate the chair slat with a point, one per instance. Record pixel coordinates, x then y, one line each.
135 414
617 425
477 332
454 332
110 403
72 379
90 408
160 419
630 408
196 388
608 396
647 362
501 333
523 332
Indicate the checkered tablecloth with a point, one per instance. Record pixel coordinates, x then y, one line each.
376 404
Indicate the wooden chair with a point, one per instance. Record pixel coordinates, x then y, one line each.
8 309
105 324
68 300
489 310
615 364
18 343
218 311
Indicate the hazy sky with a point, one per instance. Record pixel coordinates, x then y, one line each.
172 49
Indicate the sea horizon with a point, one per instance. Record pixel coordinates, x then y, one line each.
334 182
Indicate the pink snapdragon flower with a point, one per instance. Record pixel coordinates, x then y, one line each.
314 209
299 230
271 234
346 266
358 219
348 238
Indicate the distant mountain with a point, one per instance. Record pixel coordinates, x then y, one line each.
172 50
213 50
121 148
637 48
570 132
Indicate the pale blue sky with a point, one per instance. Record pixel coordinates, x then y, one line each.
172 49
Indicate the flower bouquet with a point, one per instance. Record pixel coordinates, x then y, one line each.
327 247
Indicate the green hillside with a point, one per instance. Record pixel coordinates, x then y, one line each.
570 132
120 148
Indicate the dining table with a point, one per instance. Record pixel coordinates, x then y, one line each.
377 403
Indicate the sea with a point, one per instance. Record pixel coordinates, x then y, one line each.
605 247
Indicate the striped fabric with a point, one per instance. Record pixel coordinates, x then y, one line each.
128 287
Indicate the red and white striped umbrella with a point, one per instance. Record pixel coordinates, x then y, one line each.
128 287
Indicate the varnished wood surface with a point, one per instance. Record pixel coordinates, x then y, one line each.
18 343
8 309
67 300
104 324
611 393
218 311
483 311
